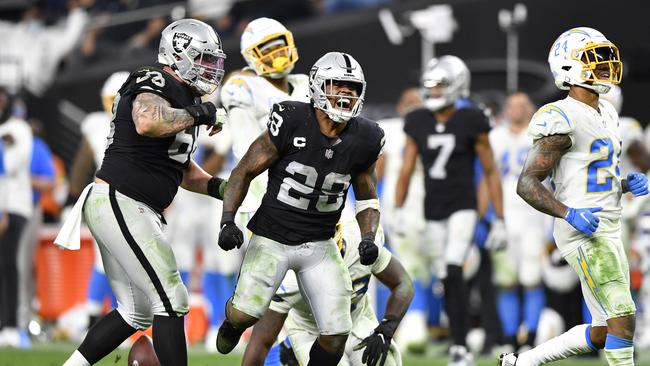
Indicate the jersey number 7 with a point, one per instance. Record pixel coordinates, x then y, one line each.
446 143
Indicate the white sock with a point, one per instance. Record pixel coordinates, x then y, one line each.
620 356
77 359
573 342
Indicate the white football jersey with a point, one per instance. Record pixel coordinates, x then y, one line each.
510 151
364 320
95 128
588 174
393 152
248 99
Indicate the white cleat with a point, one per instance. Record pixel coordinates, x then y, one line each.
508 359
460 356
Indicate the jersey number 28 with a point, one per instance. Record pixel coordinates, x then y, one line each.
333 187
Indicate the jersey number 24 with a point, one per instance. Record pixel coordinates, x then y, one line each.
595 185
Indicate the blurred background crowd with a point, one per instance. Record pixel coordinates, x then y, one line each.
56 56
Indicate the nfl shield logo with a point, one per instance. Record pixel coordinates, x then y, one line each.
329 153
181 41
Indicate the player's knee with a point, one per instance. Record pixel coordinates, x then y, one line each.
141 318
181 302
237 317
333 343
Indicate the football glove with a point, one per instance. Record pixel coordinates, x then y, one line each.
230 236
368 251
583 219
637 184
203 113
378 343
497 238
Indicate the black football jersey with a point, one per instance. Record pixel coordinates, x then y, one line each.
308 184
448 155
144 168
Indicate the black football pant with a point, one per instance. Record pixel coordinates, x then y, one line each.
9 271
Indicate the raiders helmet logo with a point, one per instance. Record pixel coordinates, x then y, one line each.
181 41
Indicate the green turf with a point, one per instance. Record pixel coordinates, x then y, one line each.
56 354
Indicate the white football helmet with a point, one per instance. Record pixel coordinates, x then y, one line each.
453 74
577 53
111 86
193 50
332 67
268 48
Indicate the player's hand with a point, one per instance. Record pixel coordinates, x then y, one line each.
368 251
583 219
203 113
497 238
378 343
230 236
637 184
221 117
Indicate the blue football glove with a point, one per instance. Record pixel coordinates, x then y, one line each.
583 219
637 184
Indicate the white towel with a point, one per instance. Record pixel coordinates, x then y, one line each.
69 236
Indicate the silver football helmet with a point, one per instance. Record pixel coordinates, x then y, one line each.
333 67
450 72
193 50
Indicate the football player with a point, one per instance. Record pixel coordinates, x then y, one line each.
577 141
270 52
448 140
95 129
153 133
369 341
521 262
313 151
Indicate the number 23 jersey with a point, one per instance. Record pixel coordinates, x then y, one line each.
308 183
588 174
144 168
447 151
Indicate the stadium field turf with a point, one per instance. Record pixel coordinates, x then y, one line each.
56 354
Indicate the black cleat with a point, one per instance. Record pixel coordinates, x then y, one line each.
228 337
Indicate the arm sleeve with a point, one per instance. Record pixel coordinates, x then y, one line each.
550 120
382 261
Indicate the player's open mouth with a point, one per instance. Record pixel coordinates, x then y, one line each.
344 104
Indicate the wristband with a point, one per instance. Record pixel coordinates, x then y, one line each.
216 187
227 216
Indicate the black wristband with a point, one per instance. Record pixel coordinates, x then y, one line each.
214 187
369 237
227 216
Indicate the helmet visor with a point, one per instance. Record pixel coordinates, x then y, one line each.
210 67
603 63
343 94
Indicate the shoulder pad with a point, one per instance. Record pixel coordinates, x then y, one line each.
550 120
148 79
237 92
